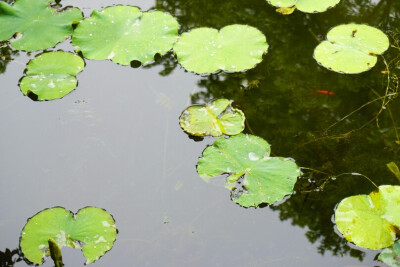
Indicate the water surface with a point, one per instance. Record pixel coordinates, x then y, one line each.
115 143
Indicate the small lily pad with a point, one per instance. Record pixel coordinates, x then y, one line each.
51 75
91 229
370 221
216 118
265 179
394 169
351 48
307 6
36 24
391 256
124 34
233 48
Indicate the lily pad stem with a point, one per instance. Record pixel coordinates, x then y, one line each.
55 253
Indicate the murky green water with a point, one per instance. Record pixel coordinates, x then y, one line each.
116 143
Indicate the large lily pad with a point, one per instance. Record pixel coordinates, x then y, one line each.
370 221
233 48
37 25
91 229
51 75
351 48
308 6
124 34
216 118
265 179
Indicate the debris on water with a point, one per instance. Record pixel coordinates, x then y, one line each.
166 220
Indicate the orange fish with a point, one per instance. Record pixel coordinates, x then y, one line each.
324 92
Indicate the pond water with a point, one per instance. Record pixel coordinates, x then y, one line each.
115 143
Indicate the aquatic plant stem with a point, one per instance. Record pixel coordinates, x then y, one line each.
311 169
248 126
358 109
394 124
357 174
314 35
326 180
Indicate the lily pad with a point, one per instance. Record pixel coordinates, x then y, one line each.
233 48
308 6
37 25
51 75
91 229
216 118
370 221
351 48
391 256
124 34
394 169
265 179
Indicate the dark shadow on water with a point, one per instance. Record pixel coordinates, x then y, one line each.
168 61
9 257
196 138
136 64
282 100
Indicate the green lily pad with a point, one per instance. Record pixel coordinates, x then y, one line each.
51 75
351 48
265 179
370 221
124 34
37 25
216 118
391 256
91 229
233 48
308 6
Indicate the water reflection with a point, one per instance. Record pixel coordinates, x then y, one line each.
283 103
6 55
9 257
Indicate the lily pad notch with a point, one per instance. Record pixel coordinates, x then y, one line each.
254 177
215 118
36 24
234 48
92 230
124 34
351 48
51 75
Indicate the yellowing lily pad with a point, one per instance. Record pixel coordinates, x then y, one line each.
37 25
216 118
265 179
351 48
308 6
51 75
124 34
91 229
370 221
233 48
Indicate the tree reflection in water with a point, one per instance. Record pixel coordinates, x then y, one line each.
9 257
281 102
